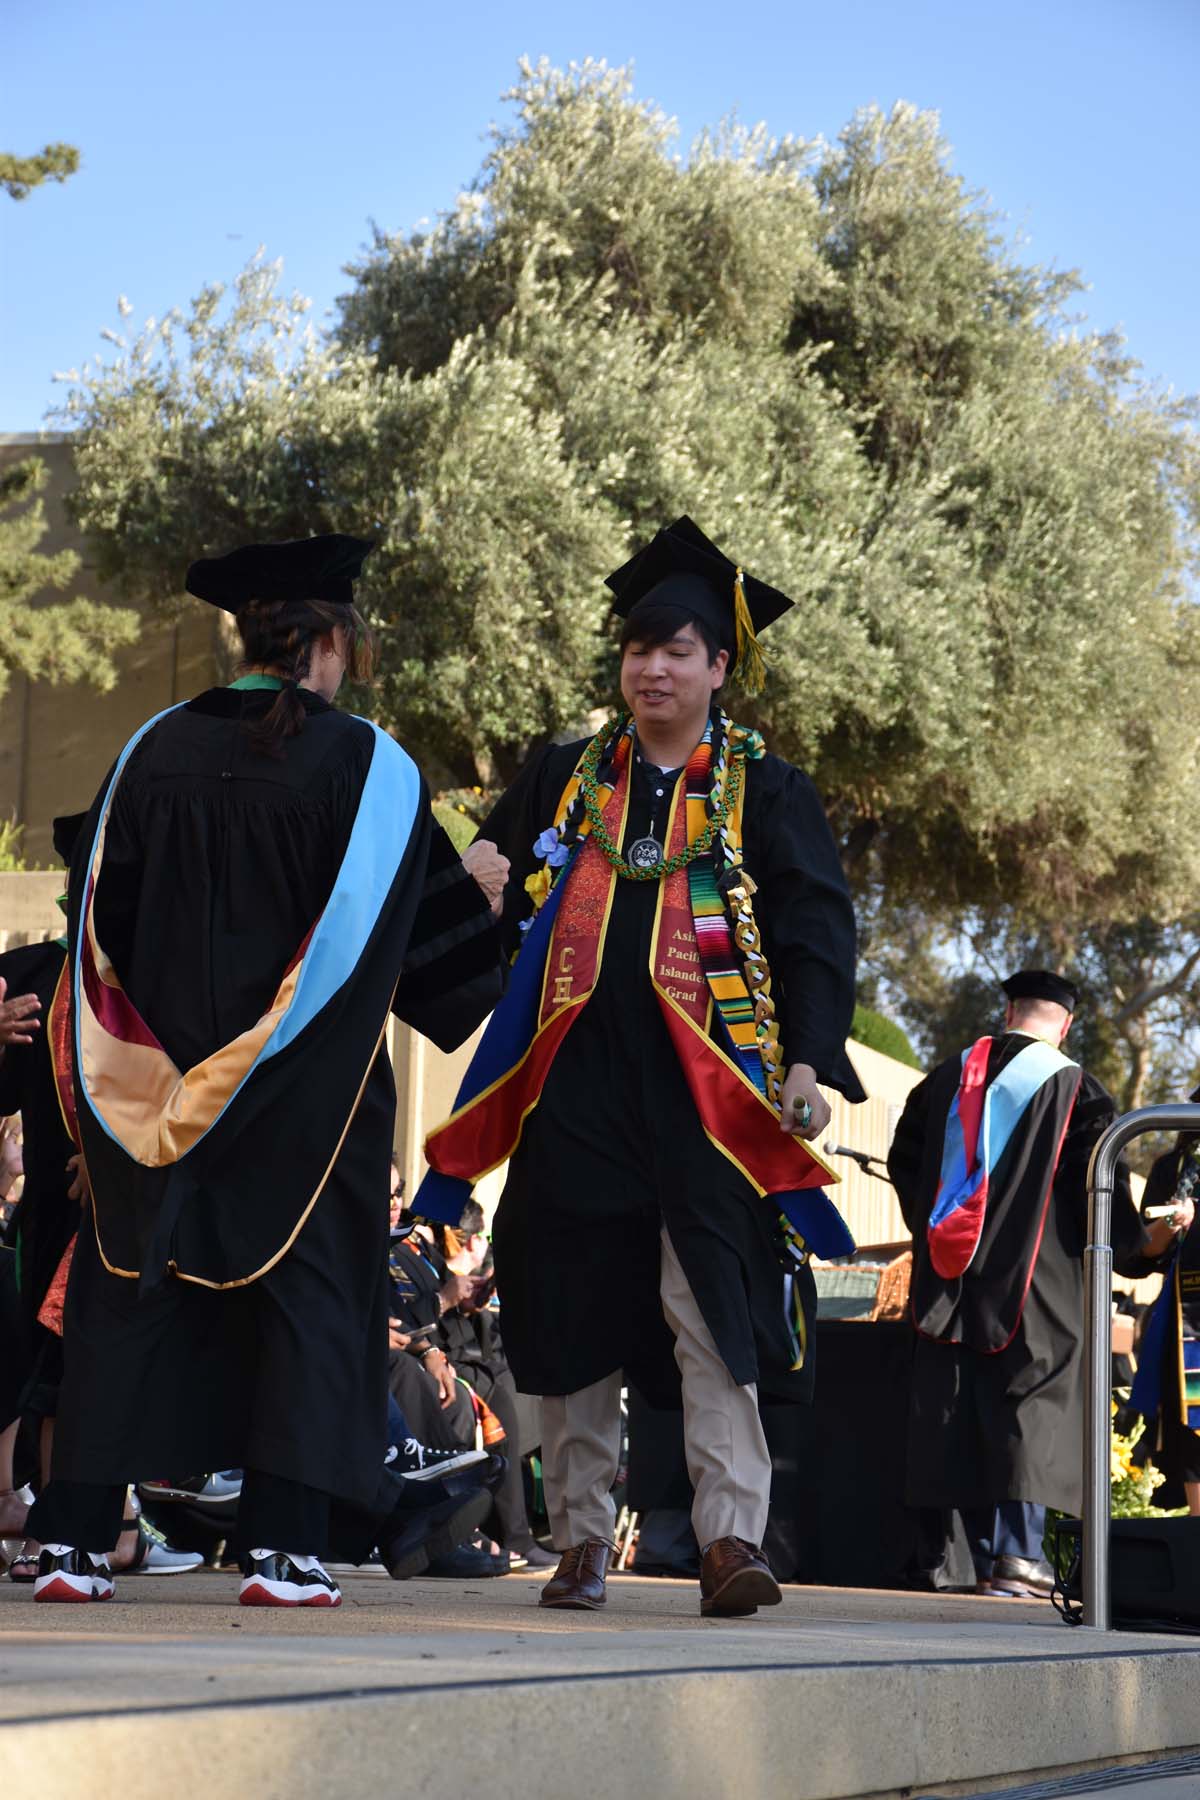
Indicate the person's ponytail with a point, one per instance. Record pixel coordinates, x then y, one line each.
278 636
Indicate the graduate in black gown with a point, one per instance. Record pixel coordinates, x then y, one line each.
996 1419
1167 1387
258 881
640 1229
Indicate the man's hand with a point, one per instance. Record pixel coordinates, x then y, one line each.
455 1290
18 1017
398 1338
483 861
438 1364
801 1086
80 1188
12 1166
1161 1233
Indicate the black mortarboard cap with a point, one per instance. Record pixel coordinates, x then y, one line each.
1042 984
66 830
314 568
684 568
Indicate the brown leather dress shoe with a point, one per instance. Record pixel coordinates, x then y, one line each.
735 1580
579 1579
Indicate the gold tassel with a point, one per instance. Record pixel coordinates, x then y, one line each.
750 667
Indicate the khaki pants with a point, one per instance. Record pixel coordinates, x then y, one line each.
727 1454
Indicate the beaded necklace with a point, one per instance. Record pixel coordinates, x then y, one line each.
728 781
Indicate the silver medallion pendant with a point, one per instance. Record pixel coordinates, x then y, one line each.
645 853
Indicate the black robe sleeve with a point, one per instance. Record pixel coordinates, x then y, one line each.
453 972
1163 1177
15 1059
119 888
1094 1112
414 1288
517 821
806 917
906 1157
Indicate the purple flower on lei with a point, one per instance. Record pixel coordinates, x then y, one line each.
549 847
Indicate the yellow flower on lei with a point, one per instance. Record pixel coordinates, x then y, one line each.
537 886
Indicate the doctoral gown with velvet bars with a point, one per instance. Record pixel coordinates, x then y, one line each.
1008 1426
615 1149
218 860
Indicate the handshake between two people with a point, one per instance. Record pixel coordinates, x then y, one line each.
484 861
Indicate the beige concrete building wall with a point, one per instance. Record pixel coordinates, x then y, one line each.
28 910
868 1204
57 741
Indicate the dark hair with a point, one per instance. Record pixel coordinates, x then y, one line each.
472 1220
656 622
279 635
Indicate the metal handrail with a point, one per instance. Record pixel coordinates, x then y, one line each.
1097 1346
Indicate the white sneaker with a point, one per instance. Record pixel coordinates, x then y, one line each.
277 1578
68 1575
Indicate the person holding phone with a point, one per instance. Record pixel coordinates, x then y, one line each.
1166 1389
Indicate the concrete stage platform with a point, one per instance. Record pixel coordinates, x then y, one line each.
432 1689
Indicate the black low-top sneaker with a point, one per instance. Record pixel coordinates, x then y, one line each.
71 1576
421 1462
273 1578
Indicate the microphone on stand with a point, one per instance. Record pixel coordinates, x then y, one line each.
861 1157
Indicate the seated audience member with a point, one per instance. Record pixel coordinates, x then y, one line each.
442 1298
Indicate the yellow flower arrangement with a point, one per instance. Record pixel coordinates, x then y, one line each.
1133 1484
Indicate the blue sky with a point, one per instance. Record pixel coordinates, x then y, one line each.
208 130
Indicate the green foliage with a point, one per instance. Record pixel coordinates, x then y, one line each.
19 175
68 640
1134 1484
884 1035
1137 1025
11 860
458 825
832 358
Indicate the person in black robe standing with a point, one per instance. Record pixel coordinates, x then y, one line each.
640 1233
258 880
1167 1386
990 1162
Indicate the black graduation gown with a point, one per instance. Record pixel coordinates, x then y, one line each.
1008 1426
217 862
46 1217
1177 1446
614 1149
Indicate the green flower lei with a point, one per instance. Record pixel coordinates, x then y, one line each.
589 787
